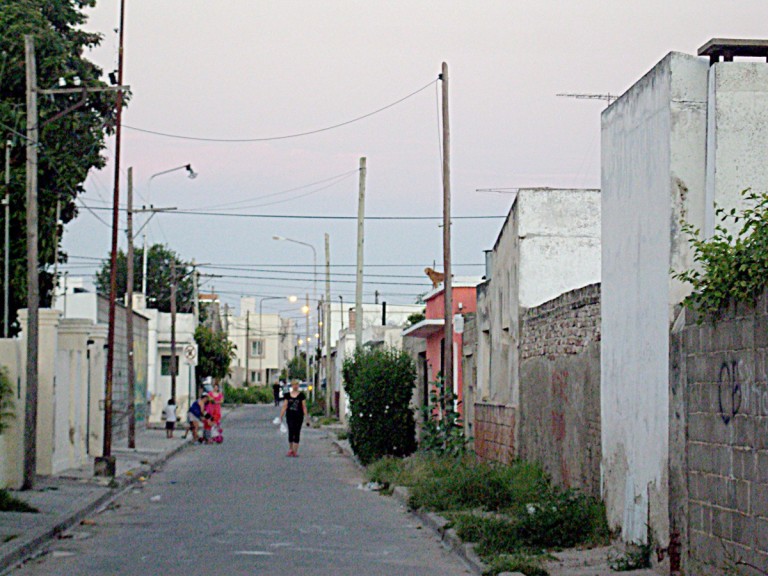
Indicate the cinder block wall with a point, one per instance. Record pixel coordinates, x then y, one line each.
560 388
724 380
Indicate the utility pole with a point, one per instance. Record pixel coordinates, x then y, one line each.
447 282
327 326
33 285
7 245
195 294
247 346
306 338
56 252
129 320
173 328
360 242
106 464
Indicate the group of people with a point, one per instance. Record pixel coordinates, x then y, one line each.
203 416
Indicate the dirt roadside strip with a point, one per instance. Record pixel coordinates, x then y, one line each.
435 522
571 562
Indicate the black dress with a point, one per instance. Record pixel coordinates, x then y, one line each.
294 416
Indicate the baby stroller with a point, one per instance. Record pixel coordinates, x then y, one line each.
217 434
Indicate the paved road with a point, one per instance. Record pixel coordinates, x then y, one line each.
244 508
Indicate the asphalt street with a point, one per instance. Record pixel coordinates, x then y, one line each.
243 507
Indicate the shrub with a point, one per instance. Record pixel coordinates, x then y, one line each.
729 268
250 395
562 519
379 383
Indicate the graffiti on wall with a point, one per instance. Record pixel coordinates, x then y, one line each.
738 393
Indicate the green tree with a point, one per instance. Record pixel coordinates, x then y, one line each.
158 278
70 146
295 369
214 353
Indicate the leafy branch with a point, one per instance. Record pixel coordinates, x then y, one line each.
729 267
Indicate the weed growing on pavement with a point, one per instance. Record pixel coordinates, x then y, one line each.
528 565
635 557
9 503
443 430
342 434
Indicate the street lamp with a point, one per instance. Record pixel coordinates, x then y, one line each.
191 175
314 261
261 331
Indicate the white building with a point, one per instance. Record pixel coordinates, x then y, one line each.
685 136
548 245
263 343
382 325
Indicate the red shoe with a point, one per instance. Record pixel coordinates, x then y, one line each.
290 453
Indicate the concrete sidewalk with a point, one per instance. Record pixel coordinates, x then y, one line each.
67 498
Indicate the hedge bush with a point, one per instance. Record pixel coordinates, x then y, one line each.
249 395
380 383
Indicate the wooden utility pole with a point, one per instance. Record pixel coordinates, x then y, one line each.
33 285
447 282
327 326
106 464
174 281
360 245
7 244
56 252
195 294
306 342
129 320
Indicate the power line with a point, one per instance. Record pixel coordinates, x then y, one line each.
316 217
286 136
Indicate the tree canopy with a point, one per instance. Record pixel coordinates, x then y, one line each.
70 146
158 278
214 353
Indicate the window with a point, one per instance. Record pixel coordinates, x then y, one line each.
255 377
257 348
165 365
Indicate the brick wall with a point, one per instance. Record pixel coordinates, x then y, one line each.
721 371
560 388
495 432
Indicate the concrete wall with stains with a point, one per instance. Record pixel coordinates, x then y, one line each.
653 142
560 388
722 382
684 137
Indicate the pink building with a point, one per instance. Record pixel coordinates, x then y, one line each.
432 329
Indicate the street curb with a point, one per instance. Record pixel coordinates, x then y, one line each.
32 545
449 538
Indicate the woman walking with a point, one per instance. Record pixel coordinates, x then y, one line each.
216 398
295 409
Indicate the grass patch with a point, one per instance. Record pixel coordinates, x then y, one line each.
326 420
512 513
9 537
9 503
342 435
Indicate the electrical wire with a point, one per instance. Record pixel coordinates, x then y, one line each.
286 136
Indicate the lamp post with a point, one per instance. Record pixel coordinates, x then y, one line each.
314 260
191 175
261 325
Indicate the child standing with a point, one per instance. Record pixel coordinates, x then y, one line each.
169 415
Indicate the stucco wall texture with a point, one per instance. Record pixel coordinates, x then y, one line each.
560 388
